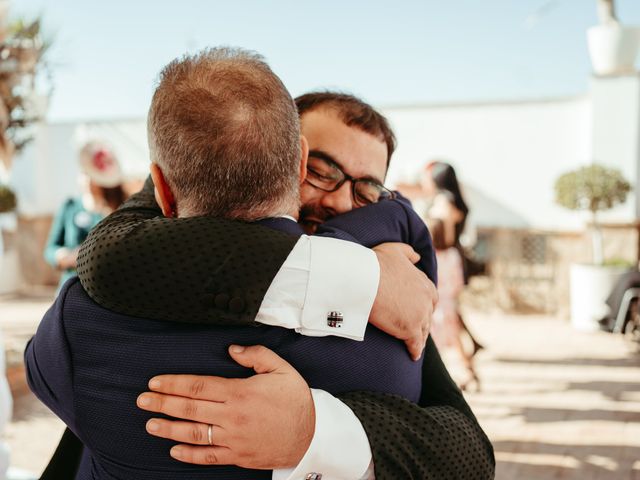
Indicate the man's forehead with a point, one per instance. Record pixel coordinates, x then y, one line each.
358 152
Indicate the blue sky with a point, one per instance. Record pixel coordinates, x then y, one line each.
107 54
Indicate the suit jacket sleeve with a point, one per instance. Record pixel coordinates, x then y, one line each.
438 439
387 221
47 359
139 263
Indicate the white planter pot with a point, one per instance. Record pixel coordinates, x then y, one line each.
613 49
10 277
589 289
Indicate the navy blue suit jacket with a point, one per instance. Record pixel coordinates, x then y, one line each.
88 364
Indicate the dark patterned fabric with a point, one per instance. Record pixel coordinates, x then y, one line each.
88 364
436 443
432 430
437 439
149 267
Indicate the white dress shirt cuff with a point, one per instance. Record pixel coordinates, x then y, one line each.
339 449
323 275
343 278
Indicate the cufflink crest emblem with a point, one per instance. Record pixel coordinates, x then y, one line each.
335 319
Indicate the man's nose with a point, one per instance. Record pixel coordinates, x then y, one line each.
340 201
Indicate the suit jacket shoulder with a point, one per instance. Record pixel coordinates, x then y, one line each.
199 269
386 221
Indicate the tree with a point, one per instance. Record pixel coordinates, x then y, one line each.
7 199
594 188
22 58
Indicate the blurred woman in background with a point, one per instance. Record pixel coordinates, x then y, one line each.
440 185
446 204
447 329
101 193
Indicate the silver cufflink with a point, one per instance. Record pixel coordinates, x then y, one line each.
334 319
313 476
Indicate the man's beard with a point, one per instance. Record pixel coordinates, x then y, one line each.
311 216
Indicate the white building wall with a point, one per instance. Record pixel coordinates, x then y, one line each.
508 155
616 129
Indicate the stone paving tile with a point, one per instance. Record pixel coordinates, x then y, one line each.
557 404
34 431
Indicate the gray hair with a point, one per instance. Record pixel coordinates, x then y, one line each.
225 132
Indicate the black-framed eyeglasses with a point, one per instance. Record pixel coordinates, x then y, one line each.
325 174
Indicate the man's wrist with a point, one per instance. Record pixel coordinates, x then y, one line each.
349 279
325 287
339 449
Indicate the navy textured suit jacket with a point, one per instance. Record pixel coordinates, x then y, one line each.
88 364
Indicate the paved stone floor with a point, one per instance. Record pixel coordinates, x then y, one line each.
557 404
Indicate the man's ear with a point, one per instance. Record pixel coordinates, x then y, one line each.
164 195
304 156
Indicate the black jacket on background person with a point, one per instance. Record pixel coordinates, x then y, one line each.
131 259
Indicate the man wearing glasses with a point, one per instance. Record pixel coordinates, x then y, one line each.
339 142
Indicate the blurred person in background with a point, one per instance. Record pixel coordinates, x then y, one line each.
447 329
440 185
101 193
444 201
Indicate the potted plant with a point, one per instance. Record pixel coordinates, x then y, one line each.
7 199
9 267
613 48
594 188
24 71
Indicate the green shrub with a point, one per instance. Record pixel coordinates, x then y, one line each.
594 188
7 199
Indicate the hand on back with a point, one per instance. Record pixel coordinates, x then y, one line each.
406 297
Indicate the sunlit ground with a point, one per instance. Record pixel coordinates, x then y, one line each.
557 404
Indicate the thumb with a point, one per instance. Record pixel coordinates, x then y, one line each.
260 358
410 253
415 347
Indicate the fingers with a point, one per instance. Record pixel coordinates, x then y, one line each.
415 347
214 389
194 433
401 248
433 293
411 254
180 407
260 358
203 455
425 333
408 252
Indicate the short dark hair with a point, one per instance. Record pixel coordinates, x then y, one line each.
226 134
354 113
